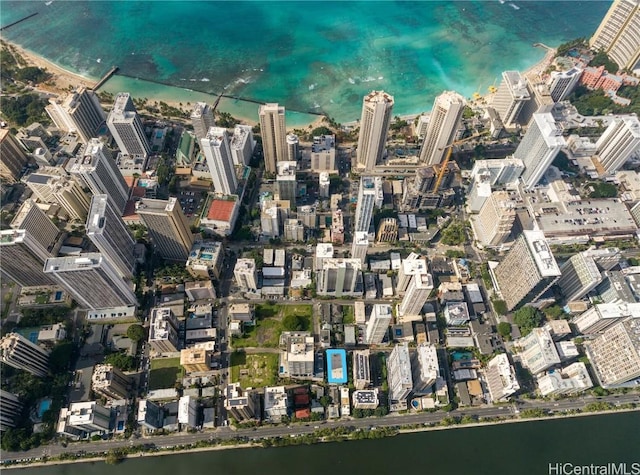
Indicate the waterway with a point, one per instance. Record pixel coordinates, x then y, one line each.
507 449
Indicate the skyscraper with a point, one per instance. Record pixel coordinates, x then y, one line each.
126 127
12 157
23 258
168 227
527 270
493 223
242 145
216 149
11 409
273 131
510 97
617 144
580 275
21 353
443 123
619 34
426 369
338 276
79 112
563 83
91 280
378 324
409 267
399 375
52 185
37 224
202 119
293 147
245 274
539 148
107 231
99 172
360 246
286 181
416 295
374 126
370 195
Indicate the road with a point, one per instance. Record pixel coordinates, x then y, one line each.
297 429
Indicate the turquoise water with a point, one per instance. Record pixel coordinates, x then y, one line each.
309 56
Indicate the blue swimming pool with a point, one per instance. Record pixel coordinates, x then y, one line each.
44 406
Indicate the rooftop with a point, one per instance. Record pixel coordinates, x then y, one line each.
221 210
546 263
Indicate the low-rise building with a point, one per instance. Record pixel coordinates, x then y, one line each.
200 290
150 415
456 313
221 215
163 330
205 260
188 411
500 377
276 403
110 382
570 380
83 419
365 399
345 402
361 369
195 360
538 351
297 355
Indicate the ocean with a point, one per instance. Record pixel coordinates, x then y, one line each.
307 55
529 448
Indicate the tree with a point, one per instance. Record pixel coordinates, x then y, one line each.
527 318
295 323
325 401
136 332
500 307
504 328
60 357
554 312
120 361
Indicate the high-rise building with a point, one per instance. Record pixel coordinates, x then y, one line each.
12 157
23 258
245 274
324 184
511 96
416 295
443 124
323 153
374 126
580 275
296 355
239 403
502 171
307 214
242 145
150 415
52 185
111 236
11 409
98 171
91 280
109 382
539 148
537 350
338 276
293 147
126 127
361 369
21 353
286 180
527 270
617 144
324 251
501 378
293 230
426 369
378 324
163 330
563 83
202 119
570 380
619 34
216 149
493 223
614 288
274 132
602 316
37 225
615 355
412 265
370 195
79 112
83 418
168 227
399 375
360 246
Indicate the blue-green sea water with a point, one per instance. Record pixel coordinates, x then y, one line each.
307 55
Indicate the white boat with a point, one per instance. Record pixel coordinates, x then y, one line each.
48 3
501 1
99 60
514 6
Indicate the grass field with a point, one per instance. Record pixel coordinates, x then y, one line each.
164 373
269 325
254 371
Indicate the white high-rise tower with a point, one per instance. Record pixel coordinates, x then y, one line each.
274 132
443 123
374 126
126 127
217 151
370 195
617 144
619 34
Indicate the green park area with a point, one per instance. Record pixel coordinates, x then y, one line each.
271 321
165 372
254 370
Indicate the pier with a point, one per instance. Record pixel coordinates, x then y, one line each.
106 77
18 21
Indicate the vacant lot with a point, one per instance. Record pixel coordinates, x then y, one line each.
271 321
164 373
254 371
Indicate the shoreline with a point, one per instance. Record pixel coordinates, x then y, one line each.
64 78
256 445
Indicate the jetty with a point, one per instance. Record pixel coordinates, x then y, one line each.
106 77
18 21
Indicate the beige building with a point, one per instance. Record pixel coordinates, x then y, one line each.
387 230
493 223
13 157
443 124
274 132
374 126
168 227
52 185
510 98
110 382
195 360
619 34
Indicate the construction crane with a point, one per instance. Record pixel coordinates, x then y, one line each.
445 162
